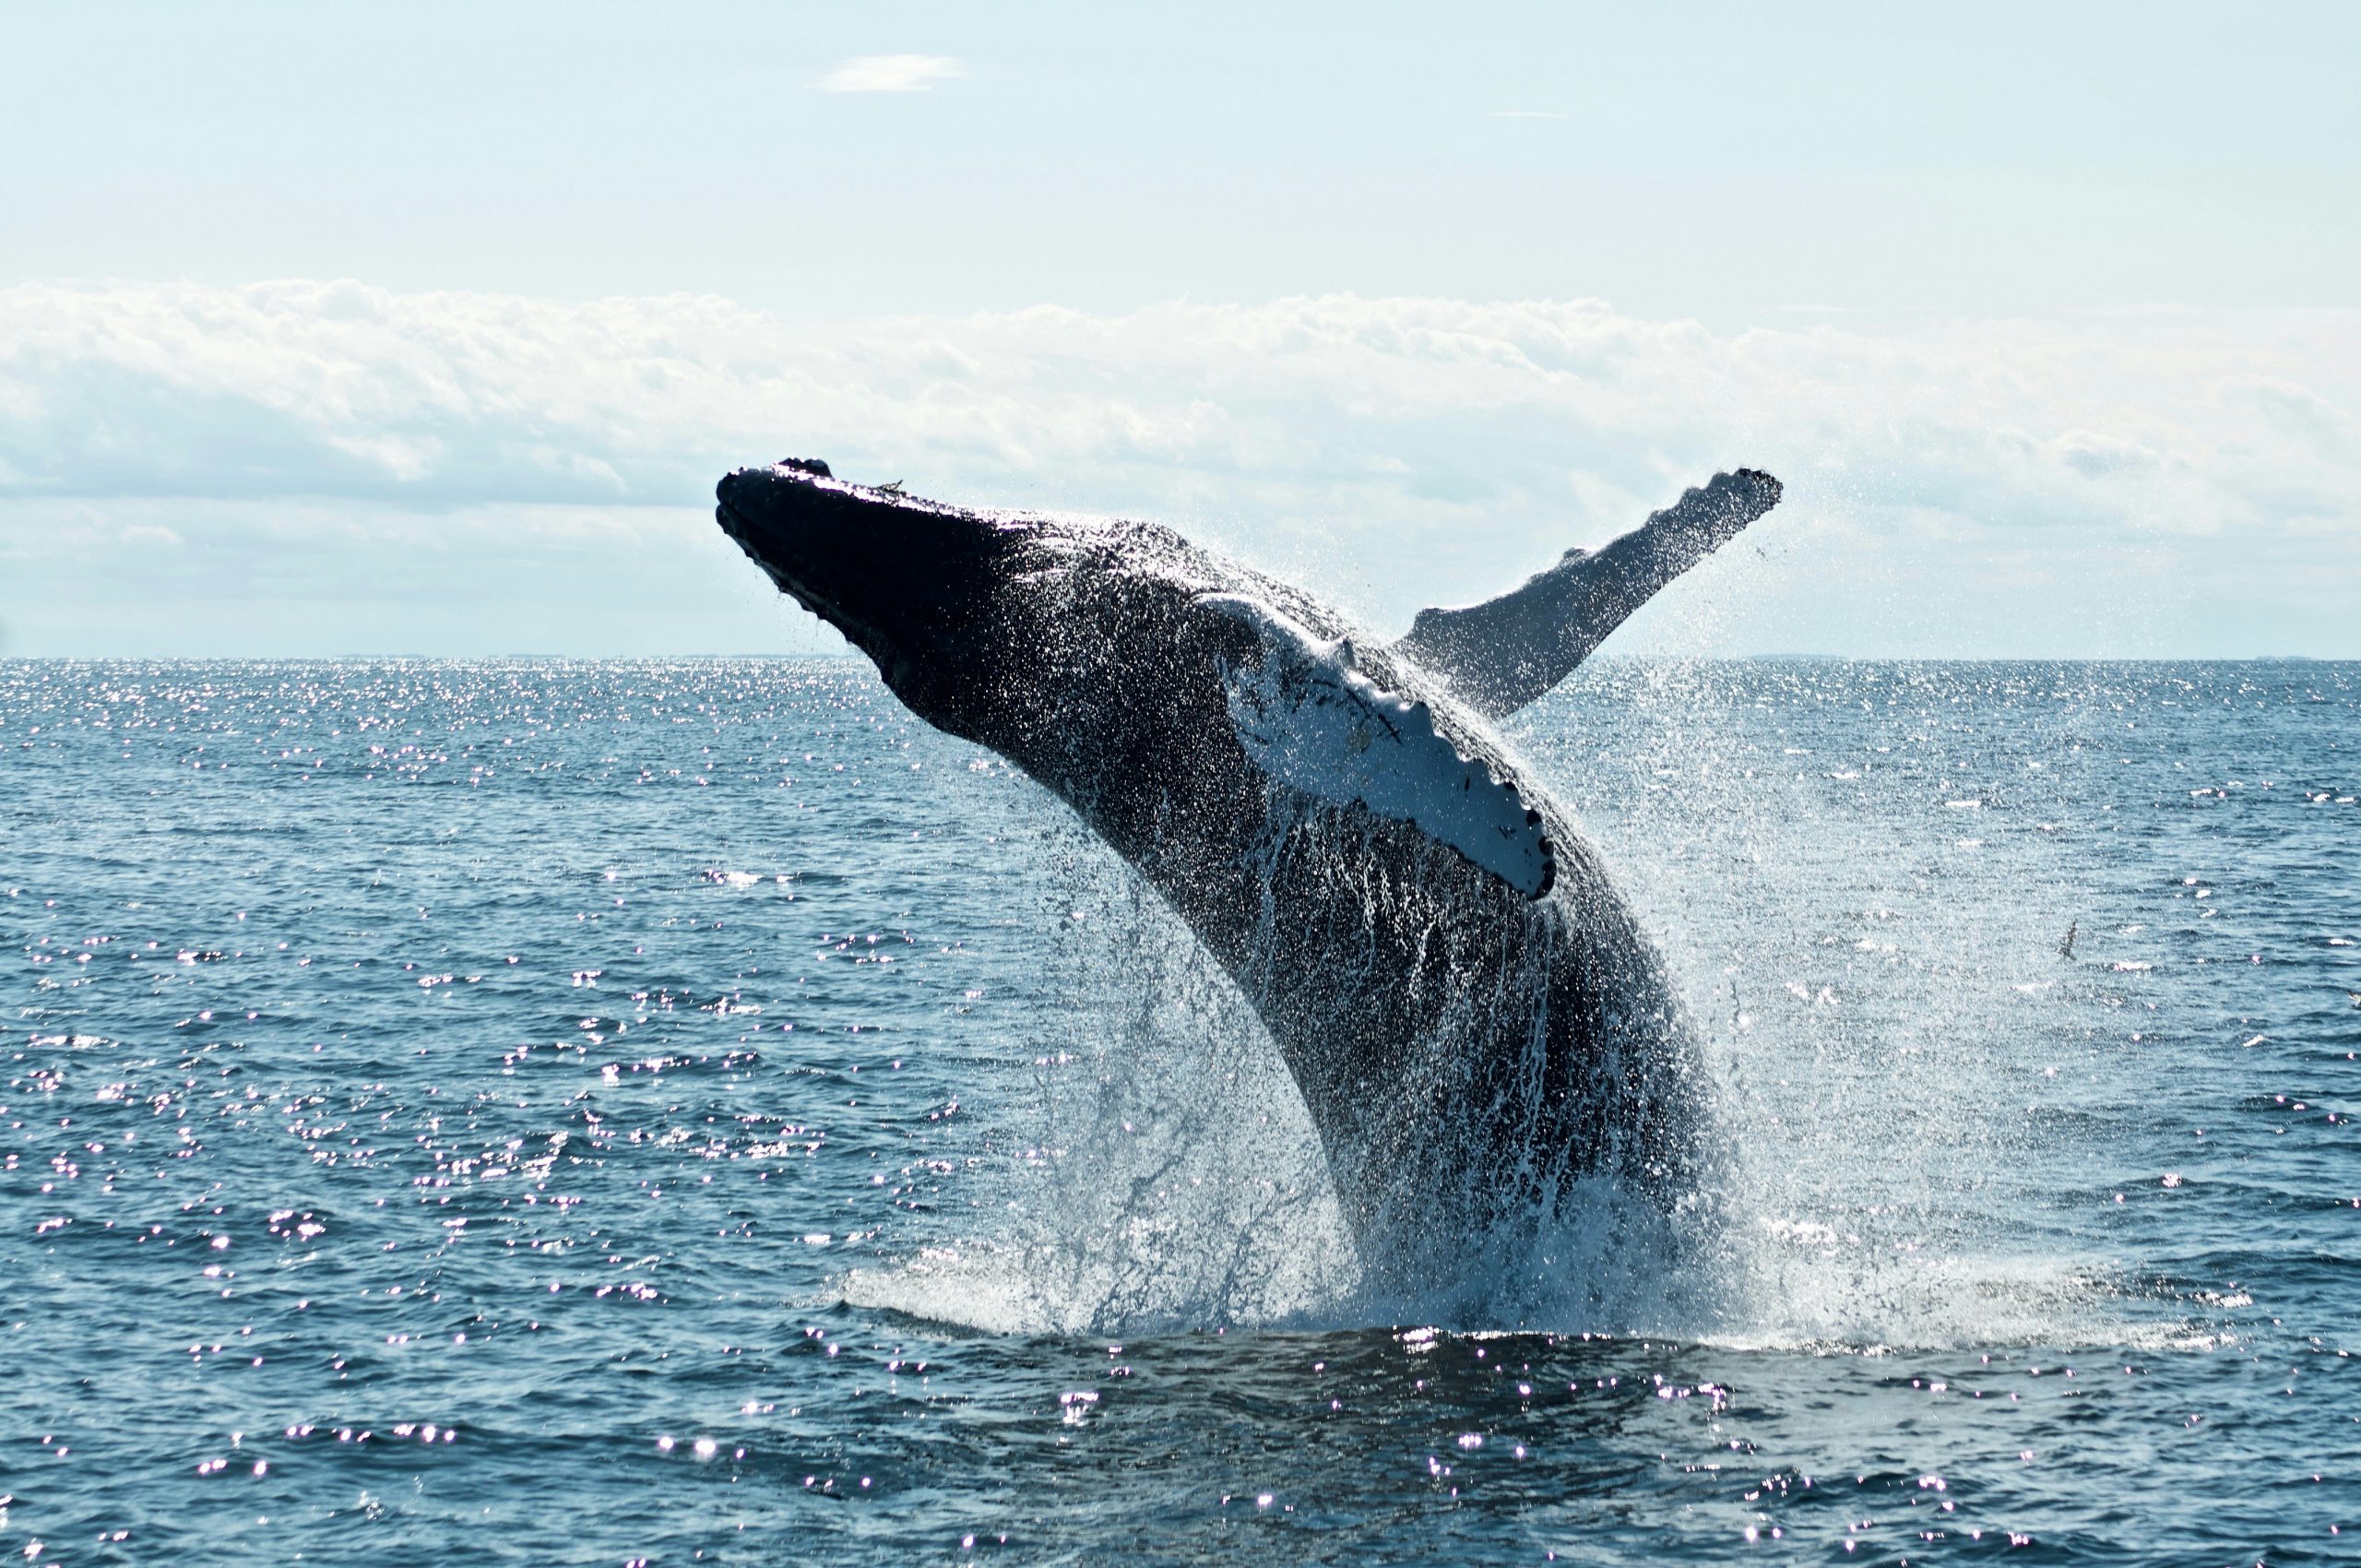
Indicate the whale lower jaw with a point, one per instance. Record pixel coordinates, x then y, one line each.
741 533
768 541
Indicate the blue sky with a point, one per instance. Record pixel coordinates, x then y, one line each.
329 329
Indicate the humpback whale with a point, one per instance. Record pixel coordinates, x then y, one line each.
1468 1006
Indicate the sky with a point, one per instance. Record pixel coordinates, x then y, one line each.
427 329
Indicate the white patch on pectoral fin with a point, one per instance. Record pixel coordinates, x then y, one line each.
1311 721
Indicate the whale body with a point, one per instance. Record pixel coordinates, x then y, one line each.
1474 1016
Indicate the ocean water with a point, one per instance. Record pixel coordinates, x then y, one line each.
692 1112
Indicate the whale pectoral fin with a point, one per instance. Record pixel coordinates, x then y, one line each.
1313 723
1502 654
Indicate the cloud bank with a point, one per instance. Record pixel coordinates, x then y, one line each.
2142 466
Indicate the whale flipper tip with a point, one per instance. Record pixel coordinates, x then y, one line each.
1505 653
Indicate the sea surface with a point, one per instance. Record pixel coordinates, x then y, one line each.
537 1112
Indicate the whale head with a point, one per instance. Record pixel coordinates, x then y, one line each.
1108 658
915 585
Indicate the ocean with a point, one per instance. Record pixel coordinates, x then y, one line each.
692 1112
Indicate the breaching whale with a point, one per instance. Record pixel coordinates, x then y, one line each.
1473 1015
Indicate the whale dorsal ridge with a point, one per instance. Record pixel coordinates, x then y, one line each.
1317 725
1502 654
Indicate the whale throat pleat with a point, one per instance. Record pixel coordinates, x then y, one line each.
1315 724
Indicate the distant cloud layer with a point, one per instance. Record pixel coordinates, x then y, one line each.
1438 446
891 73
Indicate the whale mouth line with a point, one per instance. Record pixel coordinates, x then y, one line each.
746 531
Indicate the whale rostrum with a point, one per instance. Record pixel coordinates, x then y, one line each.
1471 1012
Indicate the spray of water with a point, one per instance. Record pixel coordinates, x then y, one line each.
1875 1005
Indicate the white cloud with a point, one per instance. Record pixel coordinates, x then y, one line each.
891 73
1394 451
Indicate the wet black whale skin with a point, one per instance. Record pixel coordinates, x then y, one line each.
1465 1051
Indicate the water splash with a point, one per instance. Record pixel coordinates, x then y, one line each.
1881 1041
1156 1167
